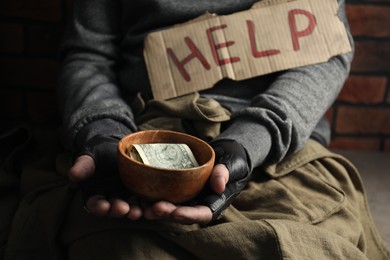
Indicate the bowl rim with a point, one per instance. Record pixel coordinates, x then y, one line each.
122 151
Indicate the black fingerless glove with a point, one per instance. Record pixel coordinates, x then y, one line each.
234 157
106 180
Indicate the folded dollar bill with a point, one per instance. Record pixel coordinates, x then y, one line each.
163 155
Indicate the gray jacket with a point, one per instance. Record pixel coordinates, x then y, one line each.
103 68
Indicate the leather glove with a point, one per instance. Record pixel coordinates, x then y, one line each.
234 157
106 180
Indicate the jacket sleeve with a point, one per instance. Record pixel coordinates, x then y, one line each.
279 121
88 93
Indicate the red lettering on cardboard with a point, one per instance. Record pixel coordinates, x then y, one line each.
293 26
255 52
215 46
195 53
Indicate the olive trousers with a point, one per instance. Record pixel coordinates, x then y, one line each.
310 206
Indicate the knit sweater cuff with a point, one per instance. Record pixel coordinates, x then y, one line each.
254 137
104 127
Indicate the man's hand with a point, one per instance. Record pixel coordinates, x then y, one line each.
199 214
228 179
84 168
96 171
233 155
103 192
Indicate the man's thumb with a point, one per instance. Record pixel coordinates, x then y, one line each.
82 169
219 177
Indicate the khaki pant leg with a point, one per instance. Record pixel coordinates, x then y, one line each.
310 206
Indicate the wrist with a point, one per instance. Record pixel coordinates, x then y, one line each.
254 138
103 130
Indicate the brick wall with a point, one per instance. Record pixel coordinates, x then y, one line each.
30 32
361 115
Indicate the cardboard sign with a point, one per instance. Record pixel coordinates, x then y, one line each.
271 36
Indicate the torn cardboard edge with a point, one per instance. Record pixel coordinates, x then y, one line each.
272 36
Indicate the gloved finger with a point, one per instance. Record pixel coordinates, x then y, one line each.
159 210
103 182
188 215
135 212
82 169
199 214
219 177
233 156
219 202
119 208
97 205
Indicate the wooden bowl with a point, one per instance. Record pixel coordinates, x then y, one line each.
173 185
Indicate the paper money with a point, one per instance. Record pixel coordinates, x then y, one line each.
164 155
